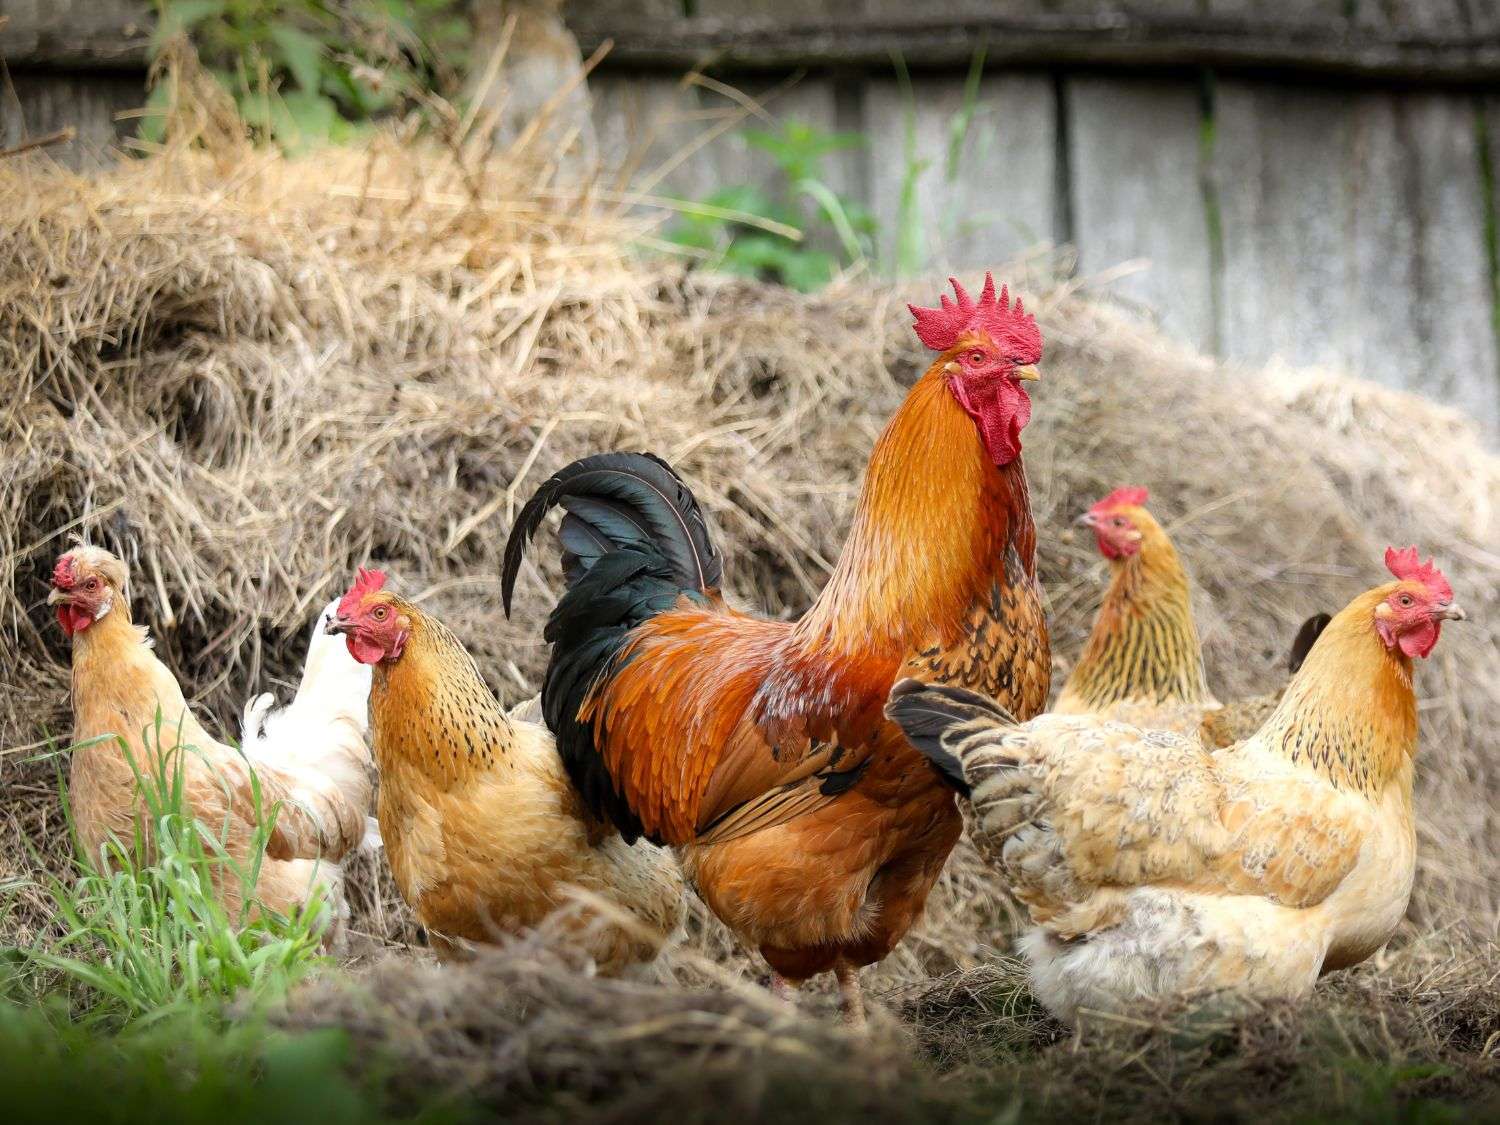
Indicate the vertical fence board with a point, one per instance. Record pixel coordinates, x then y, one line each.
1137 193
985 198
46 102
1353 236
1441 150
661 128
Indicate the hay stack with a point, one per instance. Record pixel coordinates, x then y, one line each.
248 375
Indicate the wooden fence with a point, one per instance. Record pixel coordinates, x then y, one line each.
1311 180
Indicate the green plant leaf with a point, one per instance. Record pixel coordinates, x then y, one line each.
808 270
181 16
301 54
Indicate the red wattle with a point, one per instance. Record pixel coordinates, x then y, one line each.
73 618
1421 639
363 650
1000 408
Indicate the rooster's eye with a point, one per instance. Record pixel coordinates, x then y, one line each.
1118 521
92 584
976 357
379 613
1405 601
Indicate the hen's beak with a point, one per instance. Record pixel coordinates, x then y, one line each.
1027 372
56 595
338 625
1450 612
1086 520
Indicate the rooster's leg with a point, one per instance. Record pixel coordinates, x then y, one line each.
851 1000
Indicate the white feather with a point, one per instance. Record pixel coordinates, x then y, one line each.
321 738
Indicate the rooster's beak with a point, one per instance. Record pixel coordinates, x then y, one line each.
338 625
1086 520
56 595
1027 372
1451 612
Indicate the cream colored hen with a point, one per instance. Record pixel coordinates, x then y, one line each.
1153 868
121 691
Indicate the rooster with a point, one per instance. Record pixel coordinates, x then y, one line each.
1143 663
1154 868
311 761
484 834
758 748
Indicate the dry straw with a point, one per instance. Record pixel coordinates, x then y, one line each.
248 375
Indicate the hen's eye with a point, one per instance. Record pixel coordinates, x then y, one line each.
1118 521
379 613
92 584
1405 601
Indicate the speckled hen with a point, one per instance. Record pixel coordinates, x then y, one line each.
485 835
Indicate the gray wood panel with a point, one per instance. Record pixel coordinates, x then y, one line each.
1137 190
690 139
997 198
89 102
1354 236
76 33
1420 40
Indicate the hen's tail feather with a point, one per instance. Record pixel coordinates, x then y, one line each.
617 500
931 714
1307 636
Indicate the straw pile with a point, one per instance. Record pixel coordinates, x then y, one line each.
248 375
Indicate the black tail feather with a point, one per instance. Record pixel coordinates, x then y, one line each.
634 542
617 500
1307 636
927 712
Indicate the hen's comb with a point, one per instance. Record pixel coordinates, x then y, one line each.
63 575
1406 566
1009 326
366 582
1122 498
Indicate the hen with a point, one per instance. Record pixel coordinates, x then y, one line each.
758 748
316 776
484 834
323 733
1155 868
1143 663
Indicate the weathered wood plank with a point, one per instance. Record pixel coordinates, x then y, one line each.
687 140
978 201
1319 38
76 33
1418 40
1137 192
90 103
1353 236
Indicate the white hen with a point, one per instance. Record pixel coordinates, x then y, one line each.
321 738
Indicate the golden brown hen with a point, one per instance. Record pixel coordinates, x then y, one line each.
1143 662
485 835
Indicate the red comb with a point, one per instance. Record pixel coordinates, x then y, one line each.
62 573
366 582
1406 566
1122 498
1011 327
